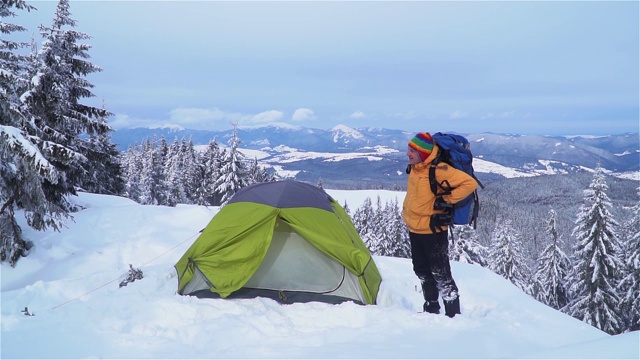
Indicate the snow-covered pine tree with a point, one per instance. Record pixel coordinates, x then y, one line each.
23 166
104 172
152 182
376 231
630 284
146 183
173 174
233 173
363 221
198 194
258 174
395 239
161 154
549 279
506 255
44 156
382 222
167 175
593 279
465 247
12 65
190 172
209 168
346 208
132 165
60 120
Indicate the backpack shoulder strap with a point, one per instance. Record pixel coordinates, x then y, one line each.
433 182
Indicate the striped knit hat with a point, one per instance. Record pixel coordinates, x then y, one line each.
423 143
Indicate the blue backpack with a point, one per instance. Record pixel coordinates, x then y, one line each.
454 150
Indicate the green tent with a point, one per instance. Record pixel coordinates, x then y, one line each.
285 240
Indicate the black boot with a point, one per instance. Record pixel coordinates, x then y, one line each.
452 307
432 307
430 294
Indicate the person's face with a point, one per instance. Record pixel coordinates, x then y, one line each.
414 156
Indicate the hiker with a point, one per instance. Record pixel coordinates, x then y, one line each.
427 219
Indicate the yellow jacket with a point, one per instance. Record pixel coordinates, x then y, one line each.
419 201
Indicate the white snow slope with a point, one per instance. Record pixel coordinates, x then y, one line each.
70 280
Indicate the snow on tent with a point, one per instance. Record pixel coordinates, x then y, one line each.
285 240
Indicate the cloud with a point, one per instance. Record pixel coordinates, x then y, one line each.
458 115
358 115
122 121
198 118
264 117
303 114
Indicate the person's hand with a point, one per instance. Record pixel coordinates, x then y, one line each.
440 204
438 220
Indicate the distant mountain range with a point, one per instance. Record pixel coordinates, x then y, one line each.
366 157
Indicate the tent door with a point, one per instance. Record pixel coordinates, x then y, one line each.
293 264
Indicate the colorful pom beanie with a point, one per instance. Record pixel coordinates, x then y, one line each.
423 143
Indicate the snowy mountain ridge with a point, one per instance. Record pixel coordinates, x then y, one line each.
377 155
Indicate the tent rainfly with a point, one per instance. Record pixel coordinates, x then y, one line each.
286 240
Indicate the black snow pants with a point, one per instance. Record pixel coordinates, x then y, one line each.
430 257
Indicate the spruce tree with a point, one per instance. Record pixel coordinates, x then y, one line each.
465 247
26 169
549 280
209 167
132 165
233 173
190 170
346 209
629 287
161 157
596 264
103 169
173 175
385 234
58 85
258 174
395 239
12 69
377 236
506 255
198 195
48 135
363 219
152 182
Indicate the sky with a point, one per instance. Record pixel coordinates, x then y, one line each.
70 284
528 67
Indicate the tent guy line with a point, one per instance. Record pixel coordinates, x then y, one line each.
119 277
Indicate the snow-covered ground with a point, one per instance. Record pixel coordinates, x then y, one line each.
70 284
